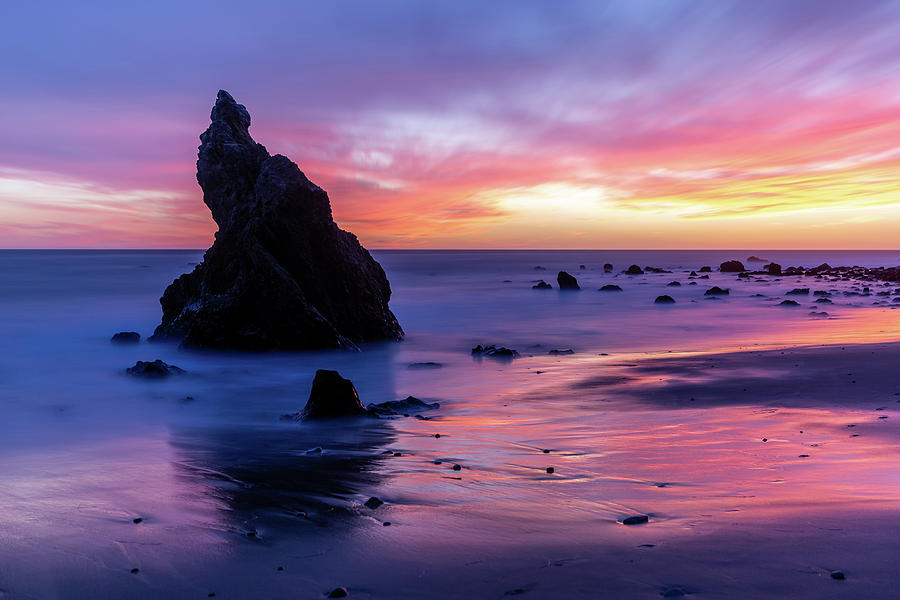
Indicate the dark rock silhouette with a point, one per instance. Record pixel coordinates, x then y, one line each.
410 404
126 337
582 267
281 274
557 352
788 303
716 291
332 396
566 281
798 292
153 370
756 259
673 284
634 270
492 351
607 268
732 266
773 269
610 287
664 300
706 269
542 285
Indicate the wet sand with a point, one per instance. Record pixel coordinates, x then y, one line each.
782 469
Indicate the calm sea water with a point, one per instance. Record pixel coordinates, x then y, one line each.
204 459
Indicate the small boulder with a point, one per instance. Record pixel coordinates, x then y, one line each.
798 292
338 592
664 300
706 269
635 520
492 351
732 266
556 352
542 285
610 288
673 284
607 268
788 303
332 396
716 291
773 269
581 267
634 270
126 337
153 370
566 281
373 503
408 405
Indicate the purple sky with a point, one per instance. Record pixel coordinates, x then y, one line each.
463 124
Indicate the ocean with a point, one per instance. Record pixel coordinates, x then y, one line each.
227 491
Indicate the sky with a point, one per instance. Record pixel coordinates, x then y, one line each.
504 124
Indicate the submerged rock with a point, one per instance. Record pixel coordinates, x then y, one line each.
338 592
126 337
635 520
408 405
610 288
798 292
332 396
566 281
492 351
716 291
732 266
607 268
556 352
788 303
153 370
373 502
281 274
773 269
542 285
664 300
634 270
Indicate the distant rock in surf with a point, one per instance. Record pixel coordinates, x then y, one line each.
281 274
798 292
492 351
732 266
756 259
773 269
542 285
610 288
126 337
706 269
788 303
409 405
556 352
716 291
634 270
153 370
607 268
332 396
566 281
664 300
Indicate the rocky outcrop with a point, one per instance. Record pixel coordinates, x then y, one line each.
156 369
281 274
542 285
634 270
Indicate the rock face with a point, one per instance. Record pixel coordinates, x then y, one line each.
281 274
332 396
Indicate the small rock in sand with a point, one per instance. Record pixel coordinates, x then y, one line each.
551 470
635 520
338 592
838 575
457 467
373 502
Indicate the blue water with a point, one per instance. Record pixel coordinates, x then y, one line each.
84 448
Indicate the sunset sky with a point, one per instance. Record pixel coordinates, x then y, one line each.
638 124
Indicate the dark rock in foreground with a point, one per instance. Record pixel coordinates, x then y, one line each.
492 351
610 288
153 370
126 337
281 274
732 266
664 300
332 396
406 406
566 281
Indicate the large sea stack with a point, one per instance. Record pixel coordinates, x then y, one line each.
281 275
